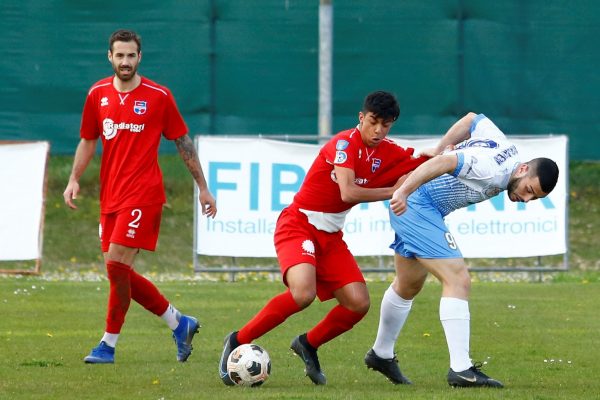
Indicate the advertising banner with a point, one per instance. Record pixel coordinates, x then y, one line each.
254 179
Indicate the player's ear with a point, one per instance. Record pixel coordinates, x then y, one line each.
140 56
361 116
522 169
109 55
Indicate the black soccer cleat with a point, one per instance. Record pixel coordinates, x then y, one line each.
472 377
229 344
311 361
387 366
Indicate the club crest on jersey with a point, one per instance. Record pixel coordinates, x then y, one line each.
340 157
341 145
104 101
485 143
493 191
139 107
375 164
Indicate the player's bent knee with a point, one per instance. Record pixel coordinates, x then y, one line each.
363 307
465 281
459 285
359 305
304 297
407 292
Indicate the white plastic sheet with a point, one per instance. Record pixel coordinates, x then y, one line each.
22 172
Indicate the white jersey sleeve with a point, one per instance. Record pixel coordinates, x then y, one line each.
484 128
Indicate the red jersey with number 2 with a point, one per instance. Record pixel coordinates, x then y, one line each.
374 167
130 125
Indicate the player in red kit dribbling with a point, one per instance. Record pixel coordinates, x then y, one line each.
355 166
130 114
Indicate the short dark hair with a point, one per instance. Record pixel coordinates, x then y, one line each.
546 170
124 35
383 105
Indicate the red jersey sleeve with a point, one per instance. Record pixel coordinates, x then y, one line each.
175 126
341 152
89 122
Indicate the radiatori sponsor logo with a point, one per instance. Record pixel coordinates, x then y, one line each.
110 129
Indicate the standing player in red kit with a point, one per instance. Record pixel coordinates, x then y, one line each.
130 113
357 165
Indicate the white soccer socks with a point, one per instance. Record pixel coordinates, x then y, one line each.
110 339
171 317
392 316
456 319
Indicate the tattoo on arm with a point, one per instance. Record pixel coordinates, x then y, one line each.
188 154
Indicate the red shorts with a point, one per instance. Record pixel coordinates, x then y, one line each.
135 227
297 241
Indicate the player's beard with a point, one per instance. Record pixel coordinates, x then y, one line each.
131 72
512 185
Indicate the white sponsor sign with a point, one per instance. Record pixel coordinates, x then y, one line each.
253 179
22 171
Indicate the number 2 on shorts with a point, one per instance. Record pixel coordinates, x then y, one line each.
136 213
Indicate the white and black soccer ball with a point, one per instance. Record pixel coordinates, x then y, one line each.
249 365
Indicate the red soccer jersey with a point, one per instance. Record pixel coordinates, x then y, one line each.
131 125
375 167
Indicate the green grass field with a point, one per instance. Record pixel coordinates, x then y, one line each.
539 339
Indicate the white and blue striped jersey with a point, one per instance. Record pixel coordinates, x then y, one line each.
485 163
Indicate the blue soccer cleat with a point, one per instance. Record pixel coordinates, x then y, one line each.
183 335
101 354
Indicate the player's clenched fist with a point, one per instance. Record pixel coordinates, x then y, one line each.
398 202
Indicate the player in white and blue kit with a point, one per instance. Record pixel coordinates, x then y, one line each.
484 164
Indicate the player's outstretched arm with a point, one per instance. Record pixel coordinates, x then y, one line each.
83 155
459 131
425 172
188 154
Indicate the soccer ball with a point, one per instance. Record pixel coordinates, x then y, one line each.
249 365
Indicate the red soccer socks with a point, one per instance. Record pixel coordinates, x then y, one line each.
336 322
119 296
277 310
147 294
